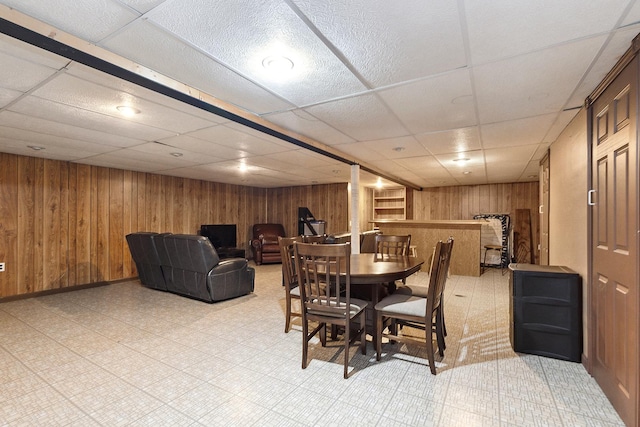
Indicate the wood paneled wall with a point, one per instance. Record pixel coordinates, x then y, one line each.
64 224
328 202
463 202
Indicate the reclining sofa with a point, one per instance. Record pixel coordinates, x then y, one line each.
190 267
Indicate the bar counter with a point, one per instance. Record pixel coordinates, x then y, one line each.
465 259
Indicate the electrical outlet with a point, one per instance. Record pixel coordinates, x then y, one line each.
1 267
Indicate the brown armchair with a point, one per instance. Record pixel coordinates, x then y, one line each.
264 243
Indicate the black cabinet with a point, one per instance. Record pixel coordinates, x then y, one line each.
545 313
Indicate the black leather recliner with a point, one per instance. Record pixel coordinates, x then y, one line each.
192 268
142 246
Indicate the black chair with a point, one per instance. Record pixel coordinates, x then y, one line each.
192 268
143 248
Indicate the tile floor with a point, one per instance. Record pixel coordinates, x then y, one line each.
126 355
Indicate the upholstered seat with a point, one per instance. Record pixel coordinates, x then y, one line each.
192 268
143 248
264 243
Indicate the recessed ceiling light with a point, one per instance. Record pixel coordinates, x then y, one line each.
398 149
462 159
379 183
466 172
176 154
277 63
127 110
35 147
532 176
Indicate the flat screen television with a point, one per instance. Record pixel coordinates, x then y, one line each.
220 235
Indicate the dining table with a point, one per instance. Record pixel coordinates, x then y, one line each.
370 271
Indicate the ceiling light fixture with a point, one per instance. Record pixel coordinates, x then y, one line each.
176 154
277 64
466 173
35 147
127 110
379 183
461 160
398 149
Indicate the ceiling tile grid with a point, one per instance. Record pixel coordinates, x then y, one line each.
404 89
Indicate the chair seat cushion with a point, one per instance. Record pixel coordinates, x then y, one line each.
295 292
415 290
403 304
336 308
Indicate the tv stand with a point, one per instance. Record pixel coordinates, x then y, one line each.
224 253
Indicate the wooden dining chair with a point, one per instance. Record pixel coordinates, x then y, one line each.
391 245
318 238
423 291
325 291
387 244
418 312
290 278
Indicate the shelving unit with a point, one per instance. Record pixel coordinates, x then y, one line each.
390 203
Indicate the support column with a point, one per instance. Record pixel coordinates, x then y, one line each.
355 209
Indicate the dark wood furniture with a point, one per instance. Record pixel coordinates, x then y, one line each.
289 277
325 292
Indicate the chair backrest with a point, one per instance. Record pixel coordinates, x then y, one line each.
268 232
387 244
317 264
319 238
439 272
143 248
288 266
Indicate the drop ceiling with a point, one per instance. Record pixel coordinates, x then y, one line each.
404 89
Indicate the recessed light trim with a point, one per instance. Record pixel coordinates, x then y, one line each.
176 154
35 147
128 111
398 149
277 63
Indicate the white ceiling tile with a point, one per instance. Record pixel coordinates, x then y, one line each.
504 28
450 160
305 124
427 167
89 20
203 146
92 75
229 137
613 50
48 141
53 111
81 94
150 46
534 84
395 148
7 96
389 44
88 96
438 103
451 141
531 130
241 34
20 147
361 150
186 157
142 6
541 150
26 52
506 155
57 129
363 118
21 75
128 160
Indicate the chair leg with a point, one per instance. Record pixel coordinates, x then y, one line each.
378 339
347 342
430 355
287 322
305 342
363 333
440 337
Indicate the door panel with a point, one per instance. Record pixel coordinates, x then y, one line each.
614 266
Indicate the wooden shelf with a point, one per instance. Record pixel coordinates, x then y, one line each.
389 203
